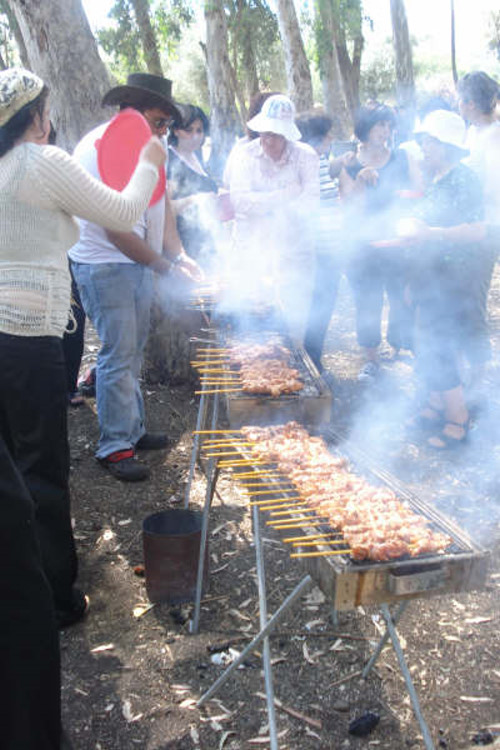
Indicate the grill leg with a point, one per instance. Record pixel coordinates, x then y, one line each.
269 627
200 421
334 617
266 651
381 644
212 475
392 634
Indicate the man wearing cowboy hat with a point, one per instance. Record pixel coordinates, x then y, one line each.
114 274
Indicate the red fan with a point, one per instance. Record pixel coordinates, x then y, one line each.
119 148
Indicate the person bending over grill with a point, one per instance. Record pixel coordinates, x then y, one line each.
42 187
274 190
448 235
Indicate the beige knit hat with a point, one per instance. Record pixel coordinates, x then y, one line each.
18 87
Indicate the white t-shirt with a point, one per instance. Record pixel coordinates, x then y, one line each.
94 245
484 159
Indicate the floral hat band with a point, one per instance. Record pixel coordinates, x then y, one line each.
18 87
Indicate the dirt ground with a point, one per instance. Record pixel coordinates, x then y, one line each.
132 674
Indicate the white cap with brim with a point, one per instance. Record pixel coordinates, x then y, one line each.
276 116
445 126
18 87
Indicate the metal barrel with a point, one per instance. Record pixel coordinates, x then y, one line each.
171 541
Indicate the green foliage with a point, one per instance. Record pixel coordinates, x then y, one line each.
378 76
122 42
252 23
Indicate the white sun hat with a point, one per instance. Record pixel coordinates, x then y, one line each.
276 116
447 127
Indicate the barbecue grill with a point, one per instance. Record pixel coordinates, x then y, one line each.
311 405
346 583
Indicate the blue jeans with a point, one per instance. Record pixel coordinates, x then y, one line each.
117 298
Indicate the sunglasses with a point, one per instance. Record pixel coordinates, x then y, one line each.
159 122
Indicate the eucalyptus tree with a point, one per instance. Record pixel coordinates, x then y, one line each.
297 65
61 49
405 85
453 42
225 122
339 98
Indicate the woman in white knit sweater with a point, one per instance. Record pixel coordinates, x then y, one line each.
41 189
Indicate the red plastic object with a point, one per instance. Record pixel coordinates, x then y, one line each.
119 148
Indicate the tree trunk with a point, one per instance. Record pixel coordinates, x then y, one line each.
168 350
334 96
297 67
224 120
453 46
350 69
62 51
249 68
405 86
148 39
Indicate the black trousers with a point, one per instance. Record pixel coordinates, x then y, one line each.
371 272
29 645
33 423
326 282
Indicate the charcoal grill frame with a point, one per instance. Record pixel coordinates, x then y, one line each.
208 414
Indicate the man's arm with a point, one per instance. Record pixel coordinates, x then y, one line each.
135 248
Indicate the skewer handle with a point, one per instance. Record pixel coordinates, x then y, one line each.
325 553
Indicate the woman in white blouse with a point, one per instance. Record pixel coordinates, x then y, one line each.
41 188
274 187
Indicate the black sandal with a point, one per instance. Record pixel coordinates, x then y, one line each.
448 441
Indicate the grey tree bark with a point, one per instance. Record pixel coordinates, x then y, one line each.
148 39
62 50
297 67
224 119
453 42
405 85
334 95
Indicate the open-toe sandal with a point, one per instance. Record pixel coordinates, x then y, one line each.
429 419
449 441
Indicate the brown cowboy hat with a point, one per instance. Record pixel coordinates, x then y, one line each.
144 89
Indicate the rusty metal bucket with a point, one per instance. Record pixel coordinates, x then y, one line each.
171 541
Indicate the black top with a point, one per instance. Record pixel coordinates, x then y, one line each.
183 182
381 207
393 176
